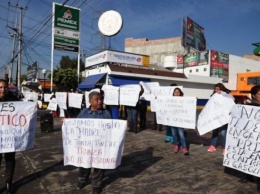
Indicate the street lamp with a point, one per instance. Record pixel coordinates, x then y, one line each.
44 73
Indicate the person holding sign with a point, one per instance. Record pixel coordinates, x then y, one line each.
6 95
255 95
178 130
95 111
218 88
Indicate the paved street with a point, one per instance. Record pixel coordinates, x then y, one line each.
148 166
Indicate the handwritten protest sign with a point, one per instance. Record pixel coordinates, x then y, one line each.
52 104
129 94
75 100
17 126
148 89
176 111
30 96
111 94
61 99
97 143
215 113
161 91
243 140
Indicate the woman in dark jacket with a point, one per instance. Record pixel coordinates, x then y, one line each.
6 95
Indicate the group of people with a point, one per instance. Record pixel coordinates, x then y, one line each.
97 111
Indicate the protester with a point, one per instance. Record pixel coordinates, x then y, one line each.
255 96
179 131
218 88
142 108
132 116
6 95
95 111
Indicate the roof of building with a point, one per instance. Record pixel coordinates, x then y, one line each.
145 71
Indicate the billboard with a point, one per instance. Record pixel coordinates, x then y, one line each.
117 57
192 59
66 28
32 72
193 35
219 65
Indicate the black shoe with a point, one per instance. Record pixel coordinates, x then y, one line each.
130 130
9 188
97 191
81 185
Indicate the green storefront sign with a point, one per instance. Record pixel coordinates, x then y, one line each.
66 17
66 41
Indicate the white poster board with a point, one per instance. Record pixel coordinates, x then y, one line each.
30 96
129 94
111 94
47 97
243 140
161 91
17 128
52 104
148 89
176 111
215 113
75 100
62 99
97 143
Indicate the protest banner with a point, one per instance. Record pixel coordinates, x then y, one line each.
243 140
17 126
47 97
61 99
97 143
176 111
148 89
129 94
75 100
111 94
161 91
215 113
52 104
30 96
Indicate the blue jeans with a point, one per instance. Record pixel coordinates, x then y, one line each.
223 133
180 131
132 116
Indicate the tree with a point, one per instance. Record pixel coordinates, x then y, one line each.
66 62
65 76
65 79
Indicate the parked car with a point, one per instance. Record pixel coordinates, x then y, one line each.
240 99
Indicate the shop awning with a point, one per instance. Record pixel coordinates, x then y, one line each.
120 80
91 81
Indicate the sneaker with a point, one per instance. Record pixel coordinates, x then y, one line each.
223 152
211 148
175 149
81 185
185 151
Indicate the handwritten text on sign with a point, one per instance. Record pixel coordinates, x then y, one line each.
129 94
176 111
94 143
243 140
111 94
215 113
17 126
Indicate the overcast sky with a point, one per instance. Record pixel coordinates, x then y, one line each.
231 26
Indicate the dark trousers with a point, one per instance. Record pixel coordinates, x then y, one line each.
96 177
132 116
142 119
10 165
155 123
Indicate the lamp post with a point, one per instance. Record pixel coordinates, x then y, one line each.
44 73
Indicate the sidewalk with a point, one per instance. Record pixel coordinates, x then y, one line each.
148 166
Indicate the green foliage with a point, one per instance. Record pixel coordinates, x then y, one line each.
65 79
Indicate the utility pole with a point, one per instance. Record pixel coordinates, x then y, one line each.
13 35
19 44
